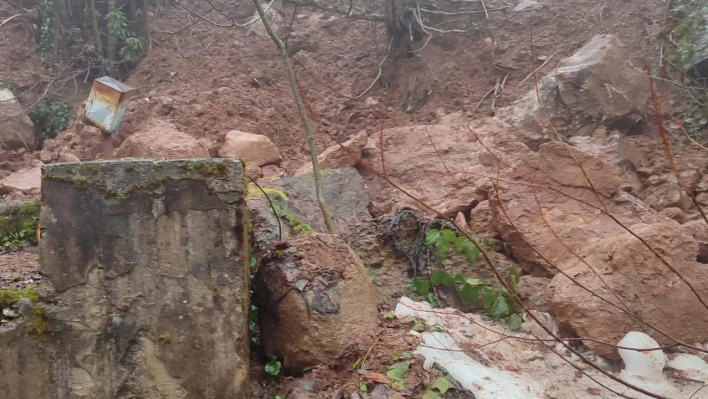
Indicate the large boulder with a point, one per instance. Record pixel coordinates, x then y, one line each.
161 139
648 288
255 149
319 302
16 128
339 156
412 162
344 191
83 142
24 181
597 85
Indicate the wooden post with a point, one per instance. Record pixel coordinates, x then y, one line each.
107 146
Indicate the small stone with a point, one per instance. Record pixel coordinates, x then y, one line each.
10 314
255 149
528 5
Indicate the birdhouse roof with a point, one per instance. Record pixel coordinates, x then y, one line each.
114 84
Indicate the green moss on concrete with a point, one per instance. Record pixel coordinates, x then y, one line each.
11 297
217 170
255 192
39 326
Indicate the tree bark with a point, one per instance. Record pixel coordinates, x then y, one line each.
96 28
309 135
112 43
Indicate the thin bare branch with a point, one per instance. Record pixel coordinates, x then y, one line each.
350 11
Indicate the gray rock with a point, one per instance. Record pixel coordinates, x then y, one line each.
596 85
10 313
146 281
344 191
528 5
16 128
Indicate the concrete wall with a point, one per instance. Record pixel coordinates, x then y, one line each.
146 285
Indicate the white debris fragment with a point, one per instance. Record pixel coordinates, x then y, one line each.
528 5
533 328
441 348
641 366
691 366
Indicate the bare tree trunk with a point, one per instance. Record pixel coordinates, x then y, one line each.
96 28
112 44
303 115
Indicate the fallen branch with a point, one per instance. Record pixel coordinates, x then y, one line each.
539 68
4 21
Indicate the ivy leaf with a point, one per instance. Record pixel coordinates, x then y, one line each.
442 246
470 294
460 278
460 243
500 308
437 277
513 277
432 237
444 278
398 370
464 246
442 385
273 367
514 322
432 299
489 297
422 285
449 236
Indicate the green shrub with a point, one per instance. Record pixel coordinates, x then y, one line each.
50 118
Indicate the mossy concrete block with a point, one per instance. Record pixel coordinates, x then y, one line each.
146 288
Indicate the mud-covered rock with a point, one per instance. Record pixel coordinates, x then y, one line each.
161 139
24 181
336 156
16 128
315 299
255 149
344 192
642 282
596 85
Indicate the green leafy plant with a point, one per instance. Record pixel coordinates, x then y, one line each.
19 226
497 302
13 240
50 118
445 239
273 367
46 32
690 28
131 49
117 26
438 388
397 373
298 226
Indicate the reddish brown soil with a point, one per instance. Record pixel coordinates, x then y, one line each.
19 269
210 80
